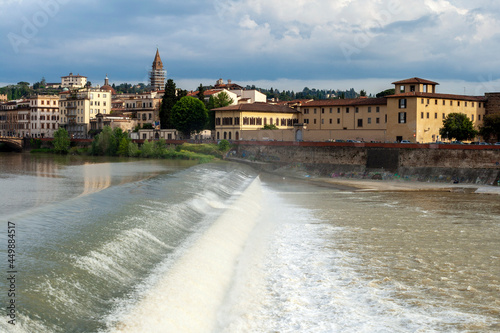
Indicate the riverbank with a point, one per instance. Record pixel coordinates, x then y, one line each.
356 182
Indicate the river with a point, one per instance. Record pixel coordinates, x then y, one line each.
124 245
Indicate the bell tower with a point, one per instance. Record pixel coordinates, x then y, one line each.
157 74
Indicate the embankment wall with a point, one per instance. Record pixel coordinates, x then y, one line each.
447 163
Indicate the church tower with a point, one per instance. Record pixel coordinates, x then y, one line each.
157 74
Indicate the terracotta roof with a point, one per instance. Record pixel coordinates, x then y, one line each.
415 80
258 107
440 96
346 102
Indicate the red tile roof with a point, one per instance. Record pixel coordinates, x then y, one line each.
258 107
440 96
346 102
415 80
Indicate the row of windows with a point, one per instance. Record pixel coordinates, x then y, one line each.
444 116
257 121
360 121
356 109
472 104
43 102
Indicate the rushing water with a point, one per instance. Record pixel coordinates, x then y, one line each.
162 246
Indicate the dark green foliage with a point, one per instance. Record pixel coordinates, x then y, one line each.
270 127
201 94
458 126
224 145
61 141
189 115
491 127
167 103
386 93
218 101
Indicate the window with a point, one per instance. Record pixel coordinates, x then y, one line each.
338 120
444 115
402 103
346 110
377 120
458 103
338 110
369 121
435 115
422 102
472 104
377 109
478 117
331 110
465 104
360 122
331 121
322 110
314 110
444 102
322 121
451 103
428 101
421 115
369 109
436 102
314 121
402 117
412 88
427 115
472 117
356 109
401 89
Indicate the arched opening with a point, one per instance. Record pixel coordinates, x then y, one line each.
237 136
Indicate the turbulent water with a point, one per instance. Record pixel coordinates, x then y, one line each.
158 246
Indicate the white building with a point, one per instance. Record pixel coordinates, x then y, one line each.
73 81
78 107
44 116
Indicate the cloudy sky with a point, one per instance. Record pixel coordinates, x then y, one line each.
325 44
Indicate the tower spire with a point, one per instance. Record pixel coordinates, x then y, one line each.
157 74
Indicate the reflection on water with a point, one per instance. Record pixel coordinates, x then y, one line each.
32 180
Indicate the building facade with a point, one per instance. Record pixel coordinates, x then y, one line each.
44 116
416 111
78 107
73 81
231 121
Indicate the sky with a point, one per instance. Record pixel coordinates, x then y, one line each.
287 45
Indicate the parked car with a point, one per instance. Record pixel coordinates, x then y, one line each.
497 143
457 143
483 144
405 141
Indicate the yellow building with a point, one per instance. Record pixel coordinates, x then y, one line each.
363 119
234 120
73 81
416 112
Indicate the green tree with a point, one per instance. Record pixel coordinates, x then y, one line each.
386 93
61 141
458 126
189 115
167 103
220 100
270 127
362 93
201 93
490 127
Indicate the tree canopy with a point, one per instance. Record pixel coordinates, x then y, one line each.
167 103
490 127
61 141
458 126
189 115
220 100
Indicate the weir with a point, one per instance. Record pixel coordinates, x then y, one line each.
187 298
